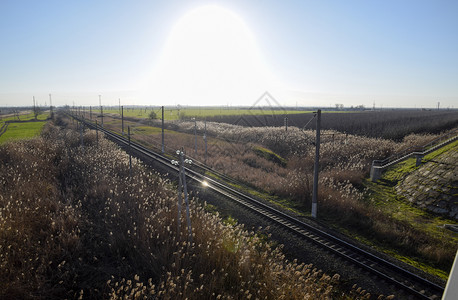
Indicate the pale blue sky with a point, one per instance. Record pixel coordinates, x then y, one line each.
394 53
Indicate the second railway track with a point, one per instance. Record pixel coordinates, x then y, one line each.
410 283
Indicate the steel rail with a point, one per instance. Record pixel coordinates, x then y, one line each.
319 237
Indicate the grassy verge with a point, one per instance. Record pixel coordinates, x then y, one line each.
384 198
440 151
270 155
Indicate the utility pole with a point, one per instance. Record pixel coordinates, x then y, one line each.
101 108
286 123
90 112
130 155
122 119
317 158
101 114
97 132
34 109
163 146
182 190
205 140
50 107
182 174
81 134
195 137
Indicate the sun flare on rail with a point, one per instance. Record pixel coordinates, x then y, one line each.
210 58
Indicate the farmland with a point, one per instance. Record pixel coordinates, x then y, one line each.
22 131
74 225
22 125
387 124
277 165
89 194
25 115
173 113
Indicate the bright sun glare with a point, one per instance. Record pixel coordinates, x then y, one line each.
210 58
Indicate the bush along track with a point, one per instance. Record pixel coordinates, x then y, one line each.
255 157
280 218
74 224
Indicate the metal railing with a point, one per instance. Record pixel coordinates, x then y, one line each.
418 150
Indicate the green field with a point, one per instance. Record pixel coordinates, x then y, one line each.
26 117
22 131
175 114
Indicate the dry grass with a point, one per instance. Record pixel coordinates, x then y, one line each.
344 164
74 225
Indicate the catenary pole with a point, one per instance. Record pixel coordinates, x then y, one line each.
81 134
195 137
163 146
185 192
101 108
316 167
101 114
122 119
180 189
205 140
97 132
50 107
130 155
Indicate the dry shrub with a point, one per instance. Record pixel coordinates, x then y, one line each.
345 162
415 140
74 225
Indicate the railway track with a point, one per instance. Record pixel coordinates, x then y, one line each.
410 283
